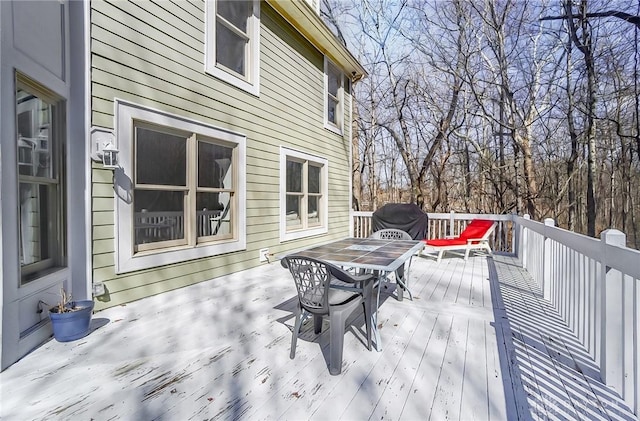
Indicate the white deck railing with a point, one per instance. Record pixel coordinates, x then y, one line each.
151 224
594 284
444 224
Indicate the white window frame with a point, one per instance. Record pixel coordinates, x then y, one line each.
53 144
303 232
126 260
338 126
251 83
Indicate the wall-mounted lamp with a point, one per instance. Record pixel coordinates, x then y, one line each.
103 147
110 156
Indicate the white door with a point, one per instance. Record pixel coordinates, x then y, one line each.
44 168
41 214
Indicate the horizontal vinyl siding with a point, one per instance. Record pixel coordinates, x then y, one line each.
152 54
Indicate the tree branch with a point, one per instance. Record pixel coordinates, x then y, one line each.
633 19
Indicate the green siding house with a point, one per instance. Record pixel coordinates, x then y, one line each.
230 122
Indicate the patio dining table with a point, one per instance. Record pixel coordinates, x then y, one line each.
368 254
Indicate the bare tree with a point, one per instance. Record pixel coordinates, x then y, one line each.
486 107
582 39
573 134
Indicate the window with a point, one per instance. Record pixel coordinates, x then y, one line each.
303 195
40 133
233 42
187 195
334 86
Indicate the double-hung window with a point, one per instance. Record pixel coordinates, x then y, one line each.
334 92
40 122
187 194
303 195
233 42
164 195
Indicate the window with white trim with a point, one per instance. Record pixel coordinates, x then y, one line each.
186 196
233 42
334 93
303 195
40 123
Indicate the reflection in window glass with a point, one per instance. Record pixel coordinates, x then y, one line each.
41 215
314 179
293 211
332 114
35 201
334 86
164 192
161 158
232 39
159 215
215 165
304 194
314 212
294 176
230 50
214 214
235 11
214 201
294 193
314 195
333 77
160 187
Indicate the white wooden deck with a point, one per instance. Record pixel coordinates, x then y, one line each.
477 342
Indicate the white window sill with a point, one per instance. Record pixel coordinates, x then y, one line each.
333 128
296 235
252 88
162 258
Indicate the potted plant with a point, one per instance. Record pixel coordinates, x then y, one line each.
70 319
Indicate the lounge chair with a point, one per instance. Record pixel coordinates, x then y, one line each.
474 237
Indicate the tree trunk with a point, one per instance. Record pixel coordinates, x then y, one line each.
571 162
584 44
356 161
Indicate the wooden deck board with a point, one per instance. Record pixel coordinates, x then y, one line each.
475 393
499 381
424 386
446 402
382 377
477 342
397 391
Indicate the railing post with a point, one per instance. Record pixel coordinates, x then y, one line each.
612 314
451 220
523 245
547 262
515 236
352 230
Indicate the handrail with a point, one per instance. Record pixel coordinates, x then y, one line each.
447 224
208 223
594 285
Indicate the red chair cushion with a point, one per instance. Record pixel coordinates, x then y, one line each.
439 242
476 229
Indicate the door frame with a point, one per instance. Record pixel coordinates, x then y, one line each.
70 81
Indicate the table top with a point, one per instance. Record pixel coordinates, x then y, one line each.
365 253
